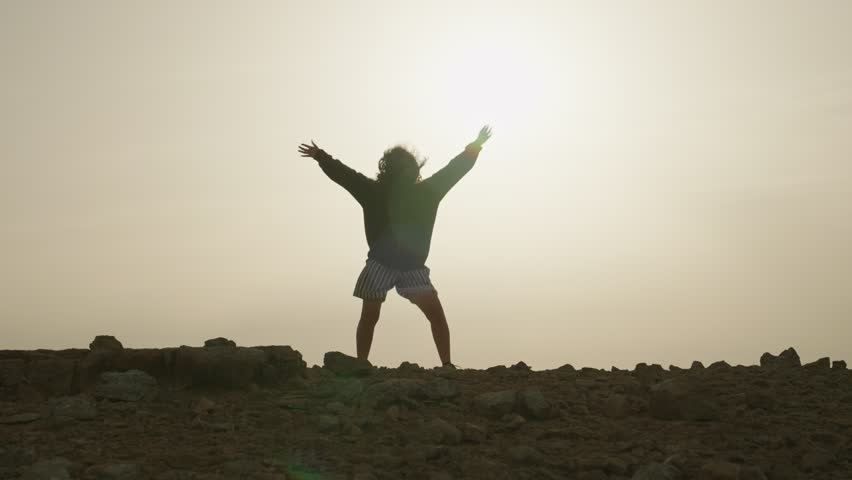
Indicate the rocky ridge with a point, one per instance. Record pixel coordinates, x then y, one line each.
222 411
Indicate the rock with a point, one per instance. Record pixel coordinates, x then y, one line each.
19 418
816 460
658 471
328 423
787 359
592 475
823 363
410 367
566 368
674 368
220 342
495 404
473 433
385 393
52 469
751 473
345 366
524 454
51 376
616 406
720 364
672 400
441 432
78 407
531 402
717 470
115 471
224 367
393 412
760 399
512 422
696 365
106 343
132 385
838 365
344 390
441 389
520 366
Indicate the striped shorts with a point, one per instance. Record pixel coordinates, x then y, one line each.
376 280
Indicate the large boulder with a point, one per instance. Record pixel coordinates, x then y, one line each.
786 359
219 342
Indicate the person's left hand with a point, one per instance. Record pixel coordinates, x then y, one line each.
311 150
484 135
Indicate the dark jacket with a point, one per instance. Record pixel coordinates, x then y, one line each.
398 219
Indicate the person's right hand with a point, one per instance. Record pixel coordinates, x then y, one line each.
311 150
484 135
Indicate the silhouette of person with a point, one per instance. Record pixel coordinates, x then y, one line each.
399 215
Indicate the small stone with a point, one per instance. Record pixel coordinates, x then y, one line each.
495 404
751 473
719 364
220 342
720 471
566 368
52 469
532 402
473 433
524 454
327 423
393 412
658 471
116 471
203 406
410 367
696 365
440 431
816 460
78 407
760 399
616 406
346 366
592 475
838 365
19 418
512 422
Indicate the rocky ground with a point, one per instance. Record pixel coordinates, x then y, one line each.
222 412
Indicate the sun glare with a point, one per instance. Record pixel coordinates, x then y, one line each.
496 79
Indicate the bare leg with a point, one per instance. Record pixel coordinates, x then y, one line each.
430 305
370 310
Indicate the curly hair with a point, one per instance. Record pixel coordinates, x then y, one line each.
399 164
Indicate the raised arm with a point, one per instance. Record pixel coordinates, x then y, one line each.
354 182
444 179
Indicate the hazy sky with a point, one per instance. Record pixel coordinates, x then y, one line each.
667 181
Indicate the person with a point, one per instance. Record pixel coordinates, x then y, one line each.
399 215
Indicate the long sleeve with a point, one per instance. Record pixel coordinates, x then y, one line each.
354 182
444 179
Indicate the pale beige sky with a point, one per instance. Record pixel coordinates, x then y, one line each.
667 180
